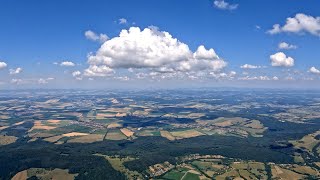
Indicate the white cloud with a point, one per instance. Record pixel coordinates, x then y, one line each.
95 37
45 80
281 59
221 4
140 49
202 53
203 59
3 65
289 78
299 24
15 71
150 49
67 63
16 81
123 21
218 75
98 71
42 81
275 29
249 66
76 73
284 45
314 70
122 78
258 78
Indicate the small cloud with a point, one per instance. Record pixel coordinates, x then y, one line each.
281 59
221 4
249 66
123 21
289 78
95 37
314 70
284 45
76 73
275 29
16 81
15 71
3 65
67 63
42 81
275 78
258 27
122 78
256 78
45 80
98 71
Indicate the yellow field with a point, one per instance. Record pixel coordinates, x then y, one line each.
224 123
186 134
5 140
87 139
239 165
40 135
39 125
307 142
114 125
278 172
146 133
254 124
127 132
74 134
53 138
168 135
23 175
195 115
306 170
104 115
115 135
18 123
4 117
3 127
52 121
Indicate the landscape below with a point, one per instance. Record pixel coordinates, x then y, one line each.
174 134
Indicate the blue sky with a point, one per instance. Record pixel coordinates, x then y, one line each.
38 36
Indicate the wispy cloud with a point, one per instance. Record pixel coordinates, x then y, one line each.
123 21
67 63
96 37
287 46
221 4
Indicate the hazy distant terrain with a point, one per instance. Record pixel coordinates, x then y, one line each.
177 134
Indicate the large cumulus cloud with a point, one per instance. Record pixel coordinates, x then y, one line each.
150 50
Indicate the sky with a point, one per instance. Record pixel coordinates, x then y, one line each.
159 44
